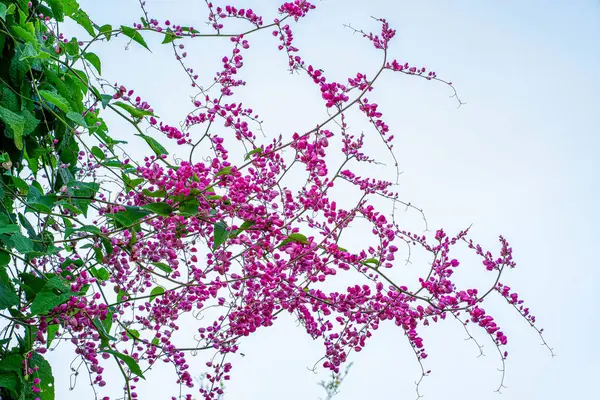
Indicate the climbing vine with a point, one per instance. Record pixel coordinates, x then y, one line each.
105 252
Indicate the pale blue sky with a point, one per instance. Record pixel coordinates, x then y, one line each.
519 159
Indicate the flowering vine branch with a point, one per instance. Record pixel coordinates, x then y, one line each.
108 253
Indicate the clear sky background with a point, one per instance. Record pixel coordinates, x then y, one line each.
519 159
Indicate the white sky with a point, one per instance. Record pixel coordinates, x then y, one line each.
519 159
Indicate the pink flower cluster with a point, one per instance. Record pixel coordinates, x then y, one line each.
296 9
244 240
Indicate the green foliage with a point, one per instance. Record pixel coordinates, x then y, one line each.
47 100
55 292
134 35
129 361
156 292
295 237
163 267
154 145
15 384
163 209
220 234
133 111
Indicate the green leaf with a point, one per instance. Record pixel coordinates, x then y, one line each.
108 321
59 284
106 30
157 291
11 228
46 301
55 292
370 261
82 189
3 10
31 284
298 237
98 153
44 372
134 35
257 150
66 88
9 99
78 79
130 216
89 188
23 34
31 53
295 237
132 333
105 98
20 184
8 380
220 234
128 360
52 330
131 184
31 122
94 60
55 99
4 258
134 183
72 48
57 9
15 123
70 207
12 364
38 202
28 227
133 111
83 20
108 247
170 37
245 226
113 163
162 209
85 228
189 207
154 145
162 266
70 6
100 274
224 171
187 29
156 193
18 69
23 244
77 118
100 326
8 296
